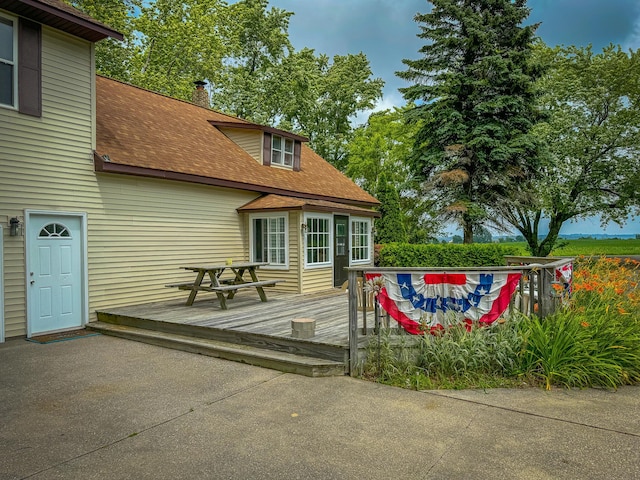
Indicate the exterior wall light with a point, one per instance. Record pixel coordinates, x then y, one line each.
15 227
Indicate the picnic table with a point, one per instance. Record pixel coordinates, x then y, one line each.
208 279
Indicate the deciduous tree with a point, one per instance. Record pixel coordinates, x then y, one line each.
382 146
592 139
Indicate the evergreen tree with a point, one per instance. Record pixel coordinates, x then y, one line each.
389 228
474 94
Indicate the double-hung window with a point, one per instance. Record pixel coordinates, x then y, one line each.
282 151
318 240
21 65
8 67
360 240
269 239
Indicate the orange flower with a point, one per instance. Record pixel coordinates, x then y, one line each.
585 324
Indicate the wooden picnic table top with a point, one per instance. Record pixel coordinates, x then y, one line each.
224 266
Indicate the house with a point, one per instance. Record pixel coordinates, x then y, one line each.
108 189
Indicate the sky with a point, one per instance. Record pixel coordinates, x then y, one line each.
385 32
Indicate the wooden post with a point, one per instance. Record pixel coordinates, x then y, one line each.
547 275
532 292
353 322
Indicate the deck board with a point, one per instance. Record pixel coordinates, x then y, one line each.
246 313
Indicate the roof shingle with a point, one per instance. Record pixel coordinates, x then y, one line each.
145 133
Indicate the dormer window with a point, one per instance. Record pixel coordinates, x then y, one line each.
282 151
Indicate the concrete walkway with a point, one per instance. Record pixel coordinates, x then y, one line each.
105 408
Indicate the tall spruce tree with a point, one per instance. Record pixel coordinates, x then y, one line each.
474 94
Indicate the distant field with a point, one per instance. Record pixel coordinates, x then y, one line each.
598 247
591 247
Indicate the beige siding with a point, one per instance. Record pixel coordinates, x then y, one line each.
142 231
249 140
317 279
45 163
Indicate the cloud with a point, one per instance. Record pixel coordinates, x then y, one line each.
584 22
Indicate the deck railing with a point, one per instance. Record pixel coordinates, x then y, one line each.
540 290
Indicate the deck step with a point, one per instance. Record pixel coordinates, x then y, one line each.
282 361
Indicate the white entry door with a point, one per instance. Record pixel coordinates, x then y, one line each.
54 279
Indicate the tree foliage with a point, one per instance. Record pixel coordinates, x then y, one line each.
474 95
257 44
244 52
592 138
383 146
389 227
113 57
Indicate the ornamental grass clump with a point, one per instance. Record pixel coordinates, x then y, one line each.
475 352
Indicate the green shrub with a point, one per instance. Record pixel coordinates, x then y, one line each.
589 349
448 255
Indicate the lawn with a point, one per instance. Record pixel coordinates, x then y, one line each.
590 247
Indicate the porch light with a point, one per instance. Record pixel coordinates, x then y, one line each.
303 228
15 227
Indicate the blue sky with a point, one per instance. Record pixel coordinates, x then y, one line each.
385 31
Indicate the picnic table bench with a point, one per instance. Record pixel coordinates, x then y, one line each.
221 286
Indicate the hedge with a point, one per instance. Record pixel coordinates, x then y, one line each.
445 255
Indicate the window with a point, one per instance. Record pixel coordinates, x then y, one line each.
282 151
8 70
54 230
317 241
269 240
20 65
360 240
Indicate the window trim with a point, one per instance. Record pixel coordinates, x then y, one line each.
368 222
285 215
15 65
329 219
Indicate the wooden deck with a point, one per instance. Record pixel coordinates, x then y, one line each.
250 322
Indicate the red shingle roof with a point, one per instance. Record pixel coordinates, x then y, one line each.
145 133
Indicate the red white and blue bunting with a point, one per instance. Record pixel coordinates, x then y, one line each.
434 301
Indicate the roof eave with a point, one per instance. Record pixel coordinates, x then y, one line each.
66 21
106 166
314 208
